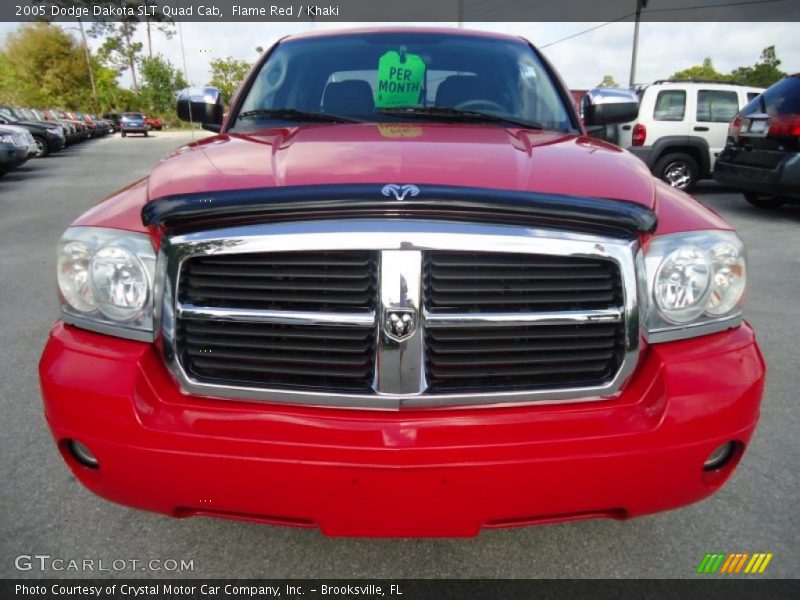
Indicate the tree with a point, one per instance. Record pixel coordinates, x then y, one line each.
227 74
160 82
43 65
167 29
8 89
118 49
762 74
706 71
608 82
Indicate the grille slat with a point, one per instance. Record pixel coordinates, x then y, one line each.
549 370
360 285
282 371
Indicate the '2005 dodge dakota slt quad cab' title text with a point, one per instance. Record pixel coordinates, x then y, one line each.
402 292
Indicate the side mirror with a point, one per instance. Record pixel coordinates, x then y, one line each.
203 105
606 106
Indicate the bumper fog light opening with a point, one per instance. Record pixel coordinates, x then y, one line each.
720 456
82 454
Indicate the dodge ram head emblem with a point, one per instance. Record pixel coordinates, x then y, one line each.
400 323
399 191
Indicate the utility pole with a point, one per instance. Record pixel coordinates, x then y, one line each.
639 5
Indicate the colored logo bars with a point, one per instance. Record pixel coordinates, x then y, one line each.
737 562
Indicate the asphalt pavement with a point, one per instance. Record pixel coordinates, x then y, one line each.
46 512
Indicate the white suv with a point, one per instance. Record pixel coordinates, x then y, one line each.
682 126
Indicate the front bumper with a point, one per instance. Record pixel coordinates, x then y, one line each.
438 472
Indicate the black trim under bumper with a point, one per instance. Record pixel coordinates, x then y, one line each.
644 153
290 203
783 180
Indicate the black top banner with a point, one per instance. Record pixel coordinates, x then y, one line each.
470 11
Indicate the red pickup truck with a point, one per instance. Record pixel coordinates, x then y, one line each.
402 292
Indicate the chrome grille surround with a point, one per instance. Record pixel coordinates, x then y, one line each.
400 371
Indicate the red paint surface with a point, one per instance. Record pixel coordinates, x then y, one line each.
445 472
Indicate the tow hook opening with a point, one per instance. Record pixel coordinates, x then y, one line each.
721 456
81 453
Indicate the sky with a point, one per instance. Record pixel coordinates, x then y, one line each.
582 61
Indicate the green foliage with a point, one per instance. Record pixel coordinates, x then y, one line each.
227 74
706 71
608 82
118 49
763 73
160 82
42 65
8 90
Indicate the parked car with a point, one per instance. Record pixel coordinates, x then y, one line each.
7 151
762 156
70 130
13 152
97 129
154 123
56 115
49 137
682 127
113 121
402 293
132 122
22 139
102 123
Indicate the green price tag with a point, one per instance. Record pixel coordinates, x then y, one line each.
400 82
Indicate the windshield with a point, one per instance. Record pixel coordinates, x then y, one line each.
132 116
389 77
6 113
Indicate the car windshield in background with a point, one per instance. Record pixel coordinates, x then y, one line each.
135 116
404 77
7 114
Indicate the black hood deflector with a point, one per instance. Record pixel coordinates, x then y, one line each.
618 218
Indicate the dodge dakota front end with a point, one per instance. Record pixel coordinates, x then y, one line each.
402 292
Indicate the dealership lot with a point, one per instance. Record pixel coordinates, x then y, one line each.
45 511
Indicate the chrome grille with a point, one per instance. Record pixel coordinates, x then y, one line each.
301 312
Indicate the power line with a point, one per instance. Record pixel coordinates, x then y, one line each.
574 35
710 6
661 10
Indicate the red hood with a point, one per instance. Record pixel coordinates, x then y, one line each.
464 155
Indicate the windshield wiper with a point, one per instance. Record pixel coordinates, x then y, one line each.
294 114
450 114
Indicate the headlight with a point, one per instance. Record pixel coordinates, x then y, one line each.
695 284
106 281
7 139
